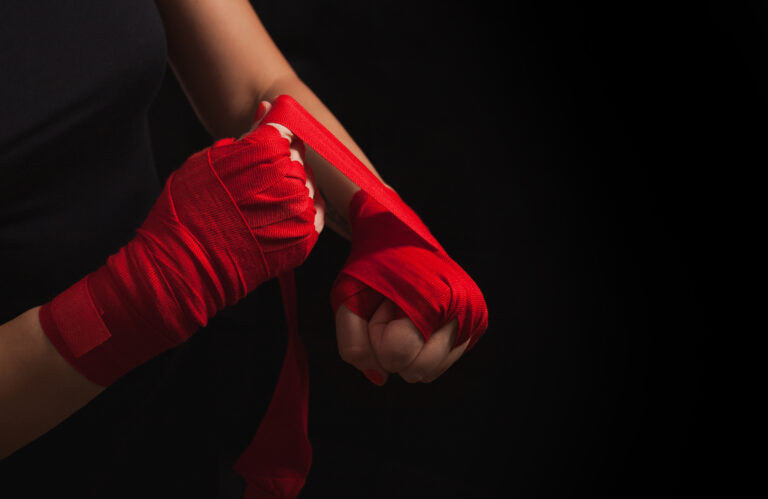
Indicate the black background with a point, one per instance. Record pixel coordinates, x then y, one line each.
572 159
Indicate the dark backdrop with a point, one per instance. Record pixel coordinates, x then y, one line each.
567 157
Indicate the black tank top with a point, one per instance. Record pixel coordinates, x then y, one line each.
76 168
77 177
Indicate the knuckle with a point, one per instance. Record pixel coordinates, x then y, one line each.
394 359
319 224
284 131
397 353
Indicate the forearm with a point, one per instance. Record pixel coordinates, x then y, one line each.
336 188
227 63
38 388
212 236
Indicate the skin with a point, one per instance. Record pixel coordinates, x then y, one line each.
243 68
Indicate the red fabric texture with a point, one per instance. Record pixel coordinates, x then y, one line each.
390 260
393 255
221 227
277 461
393 252
233 216
358 297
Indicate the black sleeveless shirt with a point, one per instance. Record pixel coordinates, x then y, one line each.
77 177
76 168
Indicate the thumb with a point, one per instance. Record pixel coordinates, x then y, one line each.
355 345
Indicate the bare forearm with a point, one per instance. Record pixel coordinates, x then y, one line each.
336 188
227 63
38 388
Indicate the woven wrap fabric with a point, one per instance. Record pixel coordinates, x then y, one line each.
393 255
233 216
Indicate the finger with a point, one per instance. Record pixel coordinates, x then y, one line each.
319 212
436 356
355 345
317 198
285 132
297 150
261 111
396 342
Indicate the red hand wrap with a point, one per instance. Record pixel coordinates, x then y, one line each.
436 289
394 254
171 268
388 259
233 216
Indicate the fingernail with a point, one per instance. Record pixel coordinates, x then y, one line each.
374 376
259 111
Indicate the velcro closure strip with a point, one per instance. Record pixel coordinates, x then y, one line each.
75 312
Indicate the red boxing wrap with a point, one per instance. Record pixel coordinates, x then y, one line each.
393 252
219 230
233 216
390 260
394 255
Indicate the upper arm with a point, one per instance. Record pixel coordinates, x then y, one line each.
224 59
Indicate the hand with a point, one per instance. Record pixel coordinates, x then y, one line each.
297 154
233 216
393 260
402 305
389 344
